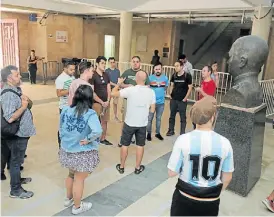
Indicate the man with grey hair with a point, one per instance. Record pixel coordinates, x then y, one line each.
16 108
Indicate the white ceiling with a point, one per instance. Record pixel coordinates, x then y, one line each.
93 7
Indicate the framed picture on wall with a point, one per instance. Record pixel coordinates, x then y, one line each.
62 36
141 43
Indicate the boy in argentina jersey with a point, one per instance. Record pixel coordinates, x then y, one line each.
204 161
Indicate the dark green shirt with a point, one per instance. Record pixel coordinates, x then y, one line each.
130 76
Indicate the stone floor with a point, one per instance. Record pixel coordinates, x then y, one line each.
106 187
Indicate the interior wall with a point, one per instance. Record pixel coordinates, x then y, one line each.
74 28
23 37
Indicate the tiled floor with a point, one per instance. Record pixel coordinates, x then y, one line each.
152 200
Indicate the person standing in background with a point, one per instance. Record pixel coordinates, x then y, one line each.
188 68
155 58
101 85
215 74
32 66
113 74
62 84
158 83
180 88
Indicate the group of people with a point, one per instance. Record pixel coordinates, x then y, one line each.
202 158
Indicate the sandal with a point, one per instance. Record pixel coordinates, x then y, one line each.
141 169
120 170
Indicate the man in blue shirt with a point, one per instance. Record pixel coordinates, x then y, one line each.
159 83
113 74
204 161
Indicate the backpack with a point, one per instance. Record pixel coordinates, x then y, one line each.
9 129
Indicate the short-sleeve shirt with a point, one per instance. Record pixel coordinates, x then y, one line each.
74 86
159 85
113 75
209 87
63 82
139 99
100 85
200 157
180 85
130 76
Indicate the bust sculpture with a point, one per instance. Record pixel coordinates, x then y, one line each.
246 58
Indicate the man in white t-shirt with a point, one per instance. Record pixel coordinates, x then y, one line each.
140 101
62 84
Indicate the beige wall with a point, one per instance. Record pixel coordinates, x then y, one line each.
94 36
23 34
158 35
74 46
269 71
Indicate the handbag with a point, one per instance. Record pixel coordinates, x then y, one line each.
9 129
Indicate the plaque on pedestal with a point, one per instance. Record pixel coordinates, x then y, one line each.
245 130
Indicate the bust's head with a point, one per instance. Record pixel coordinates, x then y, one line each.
247 54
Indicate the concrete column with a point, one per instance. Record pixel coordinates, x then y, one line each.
261 26
125 36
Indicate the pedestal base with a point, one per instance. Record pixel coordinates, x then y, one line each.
245 130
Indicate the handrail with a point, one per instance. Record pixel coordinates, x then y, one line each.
205 40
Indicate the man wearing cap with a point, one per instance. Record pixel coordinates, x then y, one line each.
16 107
204 161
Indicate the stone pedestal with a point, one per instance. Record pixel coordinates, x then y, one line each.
245 130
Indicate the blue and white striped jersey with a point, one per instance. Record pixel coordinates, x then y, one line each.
200 157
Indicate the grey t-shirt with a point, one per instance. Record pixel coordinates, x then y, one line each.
113 75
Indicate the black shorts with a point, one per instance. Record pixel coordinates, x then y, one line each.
128 132
184 206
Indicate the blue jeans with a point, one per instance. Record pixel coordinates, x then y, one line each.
18 148
159 112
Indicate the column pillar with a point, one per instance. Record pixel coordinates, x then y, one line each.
125 36
261 26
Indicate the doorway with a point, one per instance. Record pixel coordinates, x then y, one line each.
109 46
9 52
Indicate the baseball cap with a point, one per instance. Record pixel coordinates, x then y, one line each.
203 110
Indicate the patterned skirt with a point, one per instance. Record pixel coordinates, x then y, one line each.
85 161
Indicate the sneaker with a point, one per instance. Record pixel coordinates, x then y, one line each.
68 202
25 180
106 142
158 136
3 176
23 194
85 206
149 137
170 133
269 204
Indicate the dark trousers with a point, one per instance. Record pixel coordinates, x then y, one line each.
175 106
5 155
58 134
184 206
32 72
17 147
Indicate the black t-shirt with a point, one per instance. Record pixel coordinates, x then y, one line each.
100 85
180 85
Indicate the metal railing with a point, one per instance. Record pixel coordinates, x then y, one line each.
268 95
52 69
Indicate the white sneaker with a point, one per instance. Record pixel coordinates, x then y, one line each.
68 202
85 206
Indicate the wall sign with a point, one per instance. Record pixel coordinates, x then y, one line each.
62 36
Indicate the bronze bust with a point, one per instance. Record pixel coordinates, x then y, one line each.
246 58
